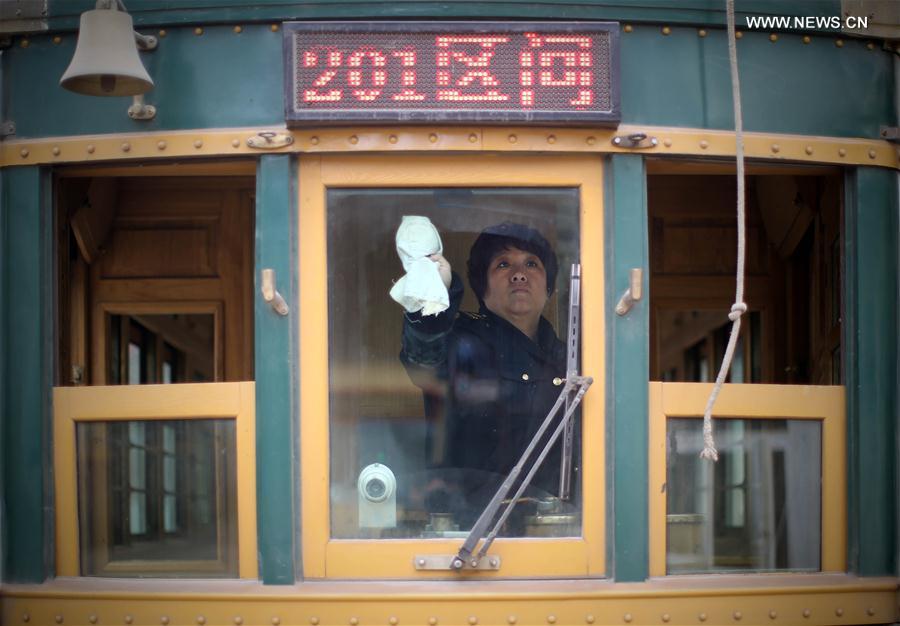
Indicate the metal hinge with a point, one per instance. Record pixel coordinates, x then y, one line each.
7 128
447 562
270 139
891 133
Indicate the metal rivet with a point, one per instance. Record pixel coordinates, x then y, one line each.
90 148
164 619
704 144
494 562
557 381
806 612
525 376
551 619
314 140
870 611
58 40
839 43
421 562
314 620
236 143
238 620
773 37
354 621
92 618
128 619
738 35
807 39
393 621
26 617
198 31
870 46
392 139
839 612
666 617
776 148
511 619
237 29
24 43
551 138
163 33
473 620
737 615
702 617
773 614
513 139
872 154
55 150
276 620
702 32
274 28
23 153
161 145
432 138
809 150
354 139
628 28
126 147
591 141
589 619
666 30
667 143
473 138
627 617
198 143
201 619
432 621
58 619
842 152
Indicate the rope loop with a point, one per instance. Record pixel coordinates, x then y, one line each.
737 309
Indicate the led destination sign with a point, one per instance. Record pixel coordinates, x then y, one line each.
452 71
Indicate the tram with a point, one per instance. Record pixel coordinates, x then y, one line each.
204 417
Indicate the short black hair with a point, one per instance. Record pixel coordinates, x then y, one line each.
495 239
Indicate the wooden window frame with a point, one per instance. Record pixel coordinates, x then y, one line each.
324 557
825 404
189 401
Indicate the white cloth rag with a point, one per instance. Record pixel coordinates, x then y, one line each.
421 288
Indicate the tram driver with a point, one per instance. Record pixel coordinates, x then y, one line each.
489 377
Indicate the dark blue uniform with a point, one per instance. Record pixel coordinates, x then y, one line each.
494 386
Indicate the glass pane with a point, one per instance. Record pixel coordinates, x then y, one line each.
126 530
420 443
187 341
758 508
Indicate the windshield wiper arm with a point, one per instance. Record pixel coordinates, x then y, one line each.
570 396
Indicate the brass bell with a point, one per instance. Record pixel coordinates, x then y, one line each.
106 61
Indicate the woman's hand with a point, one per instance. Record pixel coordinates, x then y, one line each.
443 268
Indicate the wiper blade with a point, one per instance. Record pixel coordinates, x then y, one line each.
570 396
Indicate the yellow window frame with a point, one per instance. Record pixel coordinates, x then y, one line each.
744 401
74 405
324 557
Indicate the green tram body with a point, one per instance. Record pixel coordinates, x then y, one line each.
211 76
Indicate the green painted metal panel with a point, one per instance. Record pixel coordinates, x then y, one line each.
627 400
227 79
871 307
218 79
276 463
63 14
26 365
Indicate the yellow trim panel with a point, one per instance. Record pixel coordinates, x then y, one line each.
233 142
72 405
825 404
323 557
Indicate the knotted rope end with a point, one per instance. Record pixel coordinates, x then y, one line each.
709 454
737 309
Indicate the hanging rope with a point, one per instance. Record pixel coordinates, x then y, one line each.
739 307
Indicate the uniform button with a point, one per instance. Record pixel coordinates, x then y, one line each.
557 381
525 376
